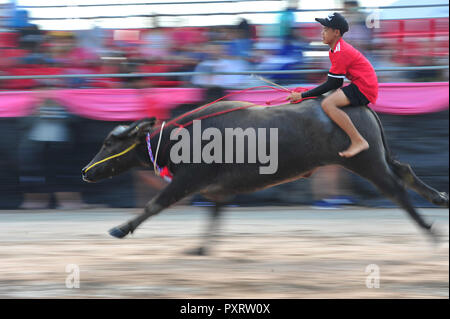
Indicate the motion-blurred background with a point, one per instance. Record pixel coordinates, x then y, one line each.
50 126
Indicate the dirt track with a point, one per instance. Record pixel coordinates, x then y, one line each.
263 253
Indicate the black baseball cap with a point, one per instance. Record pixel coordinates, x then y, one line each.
334 21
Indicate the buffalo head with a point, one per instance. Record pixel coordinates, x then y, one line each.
118 152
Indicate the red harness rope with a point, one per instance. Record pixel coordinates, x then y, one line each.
164 171
174 121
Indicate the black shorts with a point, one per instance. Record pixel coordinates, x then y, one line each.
354 95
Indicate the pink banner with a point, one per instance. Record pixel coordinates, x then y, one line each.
16 104
393 98
412 98
125 104
131 104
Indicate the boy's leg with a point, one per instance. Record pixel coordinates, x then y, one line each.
331 105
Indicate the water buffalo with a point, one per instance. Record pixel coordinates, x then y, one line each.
306 139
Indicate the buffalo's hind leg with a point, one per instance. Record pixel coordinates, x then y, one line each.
211 231
389 184
175 191
406 173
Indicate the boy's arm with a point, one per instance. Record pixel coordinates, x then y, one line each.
332 83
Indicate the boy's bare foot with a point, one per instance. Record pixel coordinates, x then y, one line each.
355 148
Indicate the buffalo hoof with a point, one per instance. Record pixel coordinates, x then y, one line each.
118 232
435 234
444 199
200 251
440 199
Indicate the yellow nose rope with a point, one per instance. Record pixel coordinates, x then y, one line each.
111 157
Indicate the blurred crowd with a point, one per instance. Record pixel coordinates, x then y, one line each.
287 45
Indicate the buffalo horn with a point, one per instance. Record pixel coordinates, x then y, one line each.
137 126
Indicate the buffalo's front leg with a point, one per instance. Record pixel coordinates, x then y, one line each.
152 208
175 191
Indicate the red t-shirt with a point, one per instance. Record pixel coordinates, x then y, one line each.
348 62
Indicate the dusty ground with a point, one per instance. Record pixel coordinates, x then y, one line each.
263 253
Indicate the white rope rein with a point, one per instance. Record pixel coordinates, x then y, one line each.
157 148
270 82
